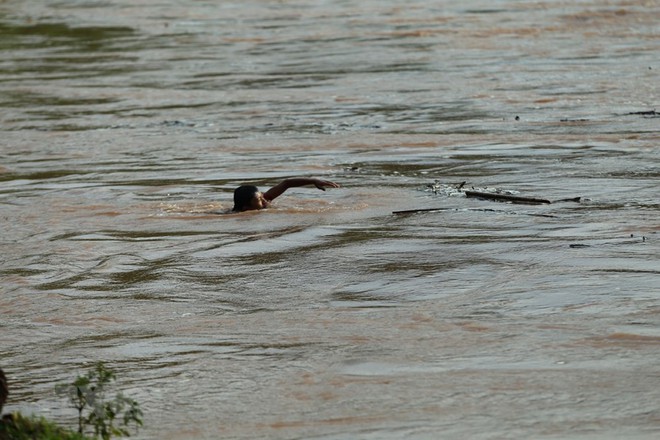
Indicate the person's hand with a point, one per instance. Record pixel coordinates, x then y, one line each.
322 184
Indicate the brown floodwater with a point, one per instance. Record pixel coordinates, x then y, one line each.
126 125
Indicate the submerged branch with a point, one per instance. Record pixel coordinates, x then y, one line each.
492 196
415 211
646 113
507 198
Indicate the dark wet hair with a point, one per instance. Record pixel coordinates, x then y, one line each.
243 196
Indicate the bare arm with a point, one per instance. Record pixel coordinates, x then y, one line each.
279 189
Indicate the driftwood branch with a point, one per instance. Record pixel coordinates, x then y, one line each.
646 113
507 198
415 211
496 197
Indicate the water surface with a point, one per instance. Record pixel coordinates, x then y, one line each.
126 126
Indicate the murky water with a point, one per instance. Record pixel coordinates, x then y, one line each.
127 124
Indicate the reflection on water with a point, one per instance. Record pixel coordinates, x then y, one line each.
127 125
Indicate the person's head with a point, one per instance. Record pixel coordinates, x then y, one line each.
248 197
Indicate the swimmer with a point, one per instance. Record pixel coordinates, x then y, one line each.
248 197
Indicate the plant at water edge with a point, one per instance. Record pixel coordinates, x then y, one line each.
87 394
19 427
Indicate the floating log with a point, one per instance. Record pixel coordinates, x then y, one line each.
507 198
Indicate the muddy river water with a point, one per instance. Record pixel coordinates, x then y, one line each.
125 125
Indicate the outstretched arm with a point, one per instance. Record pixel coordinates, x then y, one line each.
279 189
